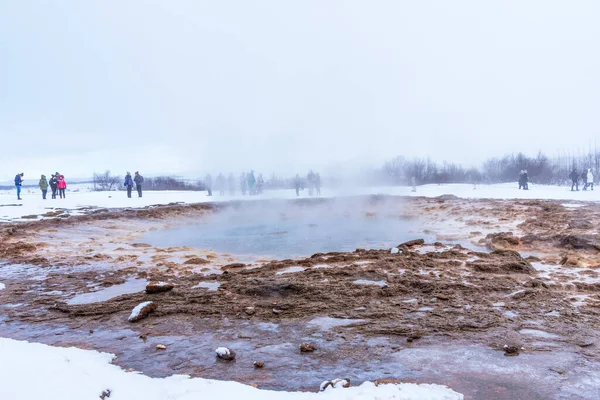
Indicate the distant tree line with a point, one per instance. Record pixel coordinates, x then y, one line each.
541 169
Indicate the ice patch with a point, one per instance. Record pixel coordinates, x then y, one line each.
2 286
326 323
130 286
572 205
211 286
368 282
538 333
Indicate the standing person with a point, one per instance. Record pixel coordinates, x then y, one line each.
243 183
128 184
221 184
297 184
54 185
584 180
525 180
590 178
251 183
520 179
138 179
318 183
62 186
311 182
43 186
260 184
231 181
208 184
18 184
574 175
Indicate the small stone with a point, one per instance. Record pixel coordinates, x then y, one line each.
224 353
276 311
143 336
411 243
161 347
414 335
307 348
511 350
559 371
142 310
250 310
105 394
442 296
158 287
259 364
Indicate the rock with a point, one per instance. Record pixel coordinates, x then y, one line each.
161 347
196 261
29 217
502 241
569 260
143 336
105 394
226 354
559 371
250 310
411 243
307 348
387 381
335 383
511 350
447 197
254 385
259 364
414 335
142 310
139 245
159 287
442 296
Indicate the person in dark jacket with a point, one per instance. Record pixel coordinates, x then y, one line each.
44 186
574 175
584 181
138 179
18 184
53 185
128 184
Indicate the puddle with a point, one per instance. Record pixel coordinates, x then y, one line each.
368 282
132 285
211 286
326 323
538 333
288 230
290 270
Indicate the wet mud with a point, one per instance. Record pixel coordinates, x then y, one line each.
522 274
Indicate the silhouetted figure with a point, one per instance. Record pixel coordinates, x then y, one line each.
208 183
54 185
584 180
18 184
523 178
297 184
311 182
243 183
574 175
221 184
590 178
260 184
251 183
231 181
318 183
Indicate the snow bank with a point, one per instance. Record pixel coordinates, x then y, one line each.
32 371
135 314
32 203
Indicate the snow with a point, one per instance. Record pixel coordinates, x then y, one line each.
222 351
32 203
394 250
32 371
211 286
368 282
290 270
2 286
136 311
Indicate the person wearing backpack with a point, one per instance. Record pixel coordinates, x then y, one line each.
18 184
128 184
138 183
54 185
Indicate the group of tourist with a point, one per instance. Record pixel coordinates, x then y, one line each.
248 184
58 184
587 179
313 181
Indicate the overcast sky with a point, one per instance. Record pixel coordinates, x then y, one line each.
195 86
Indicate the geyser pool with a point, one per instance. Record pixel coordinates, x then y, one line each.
288 230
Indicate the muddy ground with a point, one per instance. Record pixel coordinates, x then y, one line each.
523 274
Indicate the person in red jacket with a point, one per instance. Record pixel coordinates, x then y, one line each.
62 186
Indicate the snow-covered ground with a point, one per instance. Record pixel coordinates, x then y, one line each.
32 371
81 197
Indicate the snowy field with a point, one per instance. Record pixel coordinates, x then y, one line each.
80 197
32 371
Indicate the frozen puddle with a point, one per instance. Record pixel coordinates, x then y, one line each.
211 286
290 270
368 282
326 323
538 333
130 286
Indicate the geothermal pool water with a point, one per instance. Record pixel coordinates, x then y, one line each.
272 230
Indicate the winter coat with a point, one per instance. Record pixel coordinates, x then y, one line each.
584 176
18 180
128 180
138 179
574 176
62 184
53 182
590 176
43 183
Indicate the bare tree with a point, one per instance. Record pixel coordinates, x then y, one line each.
105 181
